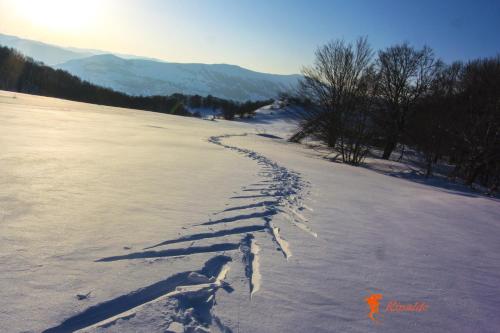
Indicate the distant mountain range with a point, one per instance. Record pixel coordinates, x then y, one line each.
143 76
49 54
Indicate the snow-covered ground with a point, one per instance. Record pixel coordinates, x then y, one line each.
115 220
205 113
272 120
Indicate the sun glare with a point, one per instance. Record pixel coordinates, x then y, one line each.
58 14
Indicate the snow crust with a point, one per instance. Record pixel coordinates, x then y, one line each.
115 220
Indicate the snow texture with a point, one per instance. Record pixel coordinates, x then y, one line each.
115 220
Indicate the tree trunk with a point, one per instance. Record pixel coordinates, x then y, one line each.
428 172
389 148
436 158
493 189
331 140
472 175
402 154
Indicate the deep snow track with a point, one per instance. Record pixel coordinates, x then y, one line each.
286 187
189 297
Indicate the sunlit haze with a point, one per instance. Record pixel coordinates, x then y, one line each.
272 36
55 15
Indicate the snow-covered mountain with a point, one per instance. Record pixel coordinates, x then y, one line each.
144 76
46 53
149 77
52 54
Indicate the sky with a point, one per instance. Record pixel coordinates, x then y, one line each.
275 36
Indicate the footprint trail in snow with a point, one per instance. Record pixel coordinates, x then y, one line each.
191 295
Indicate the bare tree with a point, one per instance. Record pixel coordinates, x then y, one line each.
337 86
429 129
476 123
405 74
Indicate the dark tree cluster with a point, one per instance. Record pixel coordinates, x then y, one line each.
458 121
22 74
355 100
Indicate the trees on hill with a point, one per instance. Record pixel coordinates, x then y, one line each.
404 75
475 128
340 84
405 96
21 74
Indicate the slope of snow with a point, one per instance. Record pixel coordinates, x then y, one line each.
205 113
273 120
117 220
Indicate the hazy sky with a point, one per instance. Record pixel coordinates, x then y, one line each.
277 36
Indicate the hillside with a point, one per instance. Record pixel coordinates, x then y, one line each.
21 74
136 76
46 53
147 77
119 220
